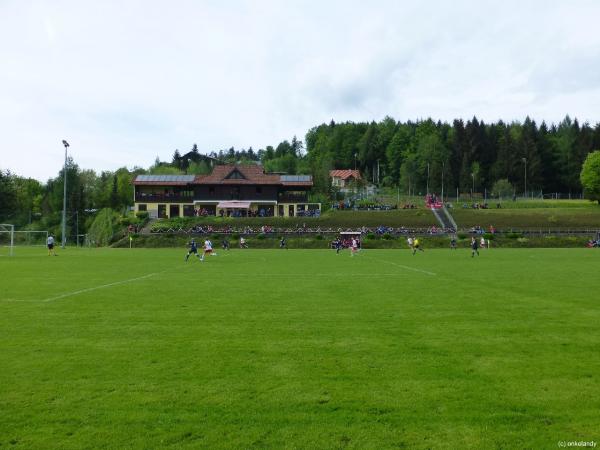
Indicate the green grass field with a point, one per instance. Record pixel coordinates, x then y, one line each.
299 349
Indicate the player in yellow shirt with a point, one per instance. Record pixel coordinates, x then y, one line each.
417 246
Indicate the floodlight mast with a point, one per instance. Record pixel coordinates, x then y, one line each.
64 212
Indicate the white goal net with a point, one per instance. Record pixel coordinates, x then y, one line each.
11 238
7 239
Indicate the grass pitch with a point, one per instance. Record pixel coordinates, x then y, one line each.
299 349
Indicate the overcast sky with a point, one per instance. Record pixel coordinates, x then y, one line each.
126 81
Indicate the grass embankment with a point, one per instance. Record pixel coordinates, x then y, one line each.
520 215
515 240
571 218
417 218
299 349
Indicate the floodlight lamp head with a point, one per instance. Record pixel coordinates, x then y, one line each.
65 143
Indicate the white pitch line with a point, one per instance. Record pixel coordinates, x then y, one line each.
17 300
414 269
81 291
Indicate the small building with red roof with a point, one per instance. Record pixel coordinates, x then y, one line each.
345 180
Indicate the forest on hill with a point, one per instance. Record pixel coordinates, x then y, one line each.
470 155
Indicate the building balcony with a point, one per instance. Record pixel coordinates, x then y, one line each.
293 198
163 198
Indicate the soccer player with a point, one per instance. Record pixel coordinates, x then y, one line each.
50 245
410 241
193 248
474 246
337 244
243 243
282 243
208 250
225 244
417 246
353 247
453 243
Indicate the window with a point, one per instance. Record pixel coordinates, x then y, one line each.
235 175
211 191
142 207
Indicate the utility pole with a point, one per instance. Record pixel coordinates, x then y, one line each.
443 167
525 161
64 212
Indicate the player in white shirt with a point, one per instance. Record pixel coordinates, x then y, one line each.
208 250
353 247
50 245
411 243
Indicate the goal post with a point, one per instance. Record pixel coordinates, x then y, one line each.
30 238
10 238
7 237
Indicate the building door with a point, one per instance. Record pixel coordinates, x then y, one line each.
162 211
173 210
280 211
188 211
291 211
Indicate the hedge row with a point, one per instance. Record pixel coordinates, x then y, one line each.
515 241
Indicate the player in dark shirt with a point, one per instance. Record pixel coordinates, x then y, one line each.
337 244
474 246
453 243
193 248
283 243
225 244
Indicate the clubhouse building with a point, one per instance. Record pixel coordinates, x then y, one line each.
230 190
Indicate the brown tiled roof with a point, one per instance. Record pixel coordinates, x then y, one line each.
253 174
345 174
250 174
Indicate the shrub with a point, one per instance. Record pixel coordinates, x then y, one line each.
387 236
261 236
503 188
319 237
513 235
370 236
489 236
143 215
104 227
235 237
462 235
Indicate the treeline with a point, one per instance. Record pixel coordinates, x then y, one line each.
287 156
410 155
30 204
466 153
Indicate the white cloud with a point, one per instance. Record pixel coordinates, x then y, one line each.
129 80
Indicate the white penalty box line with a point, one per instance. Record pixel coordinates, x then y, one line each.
83 291
402 266
95 288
